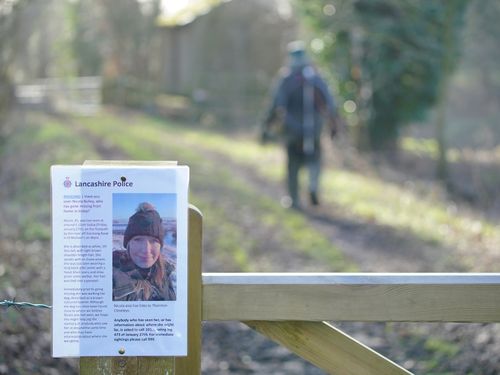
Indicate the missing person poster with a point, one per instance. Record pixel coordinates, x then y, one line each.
119 260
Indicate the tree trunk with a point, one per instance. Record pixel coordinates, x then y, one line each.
449 43
442 162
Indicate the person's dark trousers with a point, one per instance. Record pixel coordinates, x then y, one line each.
296 159
314 168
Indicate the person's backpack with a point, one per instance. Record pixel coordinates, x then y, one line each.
304 87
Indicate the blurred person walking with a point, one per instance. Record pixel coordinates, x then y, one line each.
301 101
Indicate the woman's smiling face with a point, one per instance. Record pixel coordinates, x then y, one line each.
144 250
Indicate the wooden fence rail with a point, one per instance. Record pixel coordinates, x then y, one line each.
352 297
291 309
81 95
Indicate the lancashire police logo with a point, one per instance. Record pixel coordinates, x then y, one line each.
67 183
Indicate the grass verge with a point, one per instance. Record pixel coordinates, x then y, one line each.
424 214
235 246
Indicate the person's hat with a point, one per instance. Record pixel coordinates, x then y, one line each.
297 46
297 53
145 222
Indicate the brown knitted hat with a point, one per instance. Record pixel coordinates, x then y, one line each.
145 222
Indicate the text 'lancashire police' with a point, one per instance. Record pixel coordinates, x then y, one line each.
104 184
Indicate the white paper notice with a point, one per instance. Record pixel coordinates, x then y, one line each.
119 263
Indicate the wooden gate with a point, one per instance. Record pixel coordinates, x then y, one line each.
293 308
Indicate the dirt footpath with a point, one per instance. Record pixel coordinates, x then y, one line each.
232 348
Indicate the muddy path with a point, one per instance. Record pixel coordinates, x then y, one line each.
232 348
370 246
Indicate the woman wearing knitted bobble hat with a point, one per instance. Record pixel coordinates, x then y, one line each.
142 273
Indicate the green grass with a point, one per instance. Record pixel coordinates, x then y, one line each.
35 142
145 138
428 148
391 205
426 216
153 140
38 143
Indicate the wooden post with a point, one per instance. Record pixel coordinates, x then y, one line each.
190 365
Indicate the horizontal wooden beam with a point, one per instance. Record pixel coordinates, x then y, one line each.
352 297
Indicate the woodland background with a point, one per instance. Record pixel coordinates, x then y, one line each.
411 183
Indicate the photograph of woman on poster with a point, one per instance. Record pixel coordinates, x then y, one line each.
141 271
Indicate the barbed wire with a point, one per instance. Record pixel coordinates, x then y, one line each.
6 303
